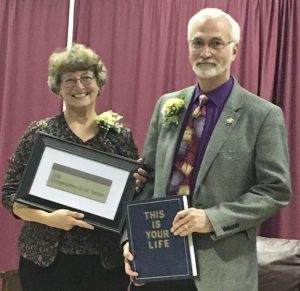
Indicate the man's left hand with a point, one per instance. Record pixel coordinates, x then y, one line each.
191 220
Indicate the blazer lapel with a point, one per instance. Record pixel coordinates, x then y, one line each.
187 95
226 123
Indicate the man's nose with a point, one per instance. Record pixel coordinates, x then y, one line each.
206 51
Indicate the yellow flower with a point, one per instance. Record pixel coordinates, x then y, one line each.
110 119
171 110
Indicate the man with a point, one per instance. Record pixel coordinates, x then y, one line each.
239 175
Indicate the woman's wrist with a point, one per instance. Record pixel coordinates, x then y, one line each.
30 214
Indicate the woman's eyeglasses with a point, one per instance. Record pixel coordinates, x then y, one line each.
84 80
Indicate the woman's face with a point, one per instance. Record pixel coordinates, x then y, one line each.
79 89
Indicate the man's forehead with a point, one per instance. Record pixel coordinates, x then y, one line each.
211 27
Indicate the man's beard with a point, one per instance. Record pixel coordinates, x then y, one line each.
207 71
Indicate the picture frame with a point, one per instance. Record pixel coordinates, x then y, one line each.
64 175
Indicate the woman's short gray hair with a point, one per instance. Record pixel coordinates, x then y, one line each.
215 12
76 58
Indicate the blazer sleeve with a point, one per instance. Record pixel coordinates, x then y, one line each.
149 152
270 189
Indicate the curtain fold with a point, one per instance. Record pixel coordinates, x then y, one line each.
29 31
286 92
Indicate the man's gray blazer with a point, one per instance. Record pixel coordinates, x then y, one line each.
244 179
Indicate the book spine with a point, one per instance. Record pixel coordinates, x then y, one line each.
190 241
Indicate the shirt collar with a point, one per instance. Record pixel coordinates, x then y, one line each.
217 96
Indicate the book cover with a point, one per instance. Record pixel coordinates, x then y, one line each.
158 254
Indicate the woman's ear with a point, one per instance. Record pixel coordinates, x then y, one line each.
99 91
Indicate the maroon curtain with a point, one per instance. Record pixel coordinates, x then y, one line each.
143 44
29 31
284 54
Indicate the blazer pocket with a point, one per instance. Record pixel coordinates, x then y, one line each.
234 163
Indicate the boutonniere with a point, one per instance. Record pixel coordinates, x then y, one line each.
110 119
229 120
171 110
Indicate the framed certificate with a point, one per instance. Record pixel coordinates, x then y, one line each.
61 174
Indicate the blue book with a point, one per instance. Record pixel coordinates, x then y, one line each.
158 254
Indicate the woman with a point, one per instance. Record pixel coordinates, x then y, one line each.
59 251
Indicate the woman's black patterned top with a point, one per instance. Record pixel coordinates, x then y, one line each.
40 243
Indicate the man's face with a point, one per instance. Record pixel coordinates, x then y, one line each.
211 50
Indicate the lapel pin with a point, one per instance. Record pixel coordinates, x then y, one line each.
229 120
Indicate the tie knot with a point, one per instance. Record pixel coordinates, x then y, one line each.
202 99
200 109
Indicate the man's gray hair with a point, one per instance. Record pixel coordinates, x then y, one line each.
214 13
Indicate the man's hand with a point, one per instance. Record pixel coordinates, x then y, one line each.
128 257
140 177
189 221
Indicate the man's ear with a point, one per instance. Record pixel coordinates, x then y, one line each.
235 48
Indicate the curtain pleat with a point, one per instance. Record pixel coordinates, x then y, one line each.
29 31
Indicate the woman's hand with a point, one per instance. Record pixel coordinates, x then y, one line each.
128 257
66 219
61 218
140 177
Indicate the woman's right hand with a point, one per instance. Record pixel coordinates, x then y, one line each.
66 219
128 257
61 218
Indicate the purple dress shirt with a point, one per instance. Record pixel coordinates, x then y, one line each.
214 106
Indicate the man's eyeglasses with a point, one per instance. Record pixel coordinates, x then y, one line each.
84 80
214 44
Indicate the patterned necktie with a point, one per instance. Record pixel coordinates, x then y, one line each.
185 158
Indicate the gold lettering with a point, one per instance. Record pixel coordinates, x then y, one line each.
156 224
157 214
161 214
159 233
158 244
